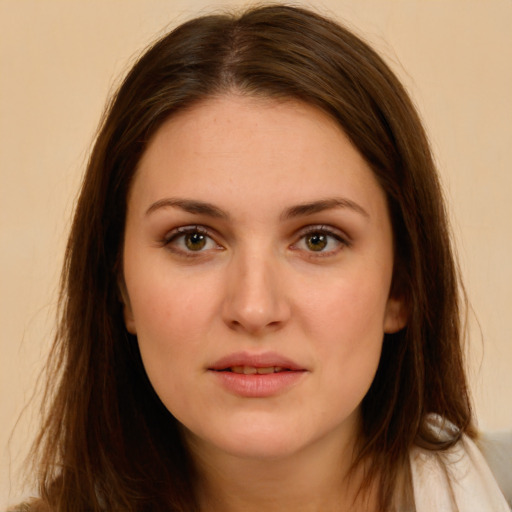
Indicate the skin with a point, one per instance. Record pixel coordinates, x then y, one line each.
263 281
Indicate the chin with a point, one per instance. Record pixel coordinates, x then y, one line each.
256 440
262 447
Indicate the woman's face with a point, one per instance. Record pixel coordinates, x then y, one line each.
257 261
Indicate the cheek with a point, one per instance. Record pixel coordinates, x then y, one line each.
351 337
170 338
170 306
352 359
350 308
172 317
347 322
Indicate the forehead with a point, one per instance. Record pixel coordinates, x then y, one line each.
239 149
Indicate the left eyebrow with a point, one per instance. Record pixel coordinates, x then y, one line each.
305 209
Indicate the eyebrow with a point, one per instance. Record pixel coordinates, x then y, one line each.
313 207
300 210
190 206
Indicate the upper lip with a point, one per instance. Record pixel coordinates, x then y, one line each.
263 360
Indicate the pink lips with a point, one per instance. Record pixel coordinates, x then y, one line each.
256 375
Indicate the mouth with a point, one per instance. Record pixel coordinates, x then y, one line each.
253 370
250 363
251 375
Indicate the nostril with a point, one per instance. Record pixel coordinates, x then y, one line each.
255 305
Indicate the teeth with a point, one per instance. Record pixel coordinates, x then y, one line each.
251 370
270 369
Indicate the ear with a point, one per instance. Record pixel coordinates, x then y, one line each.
129 321
395 317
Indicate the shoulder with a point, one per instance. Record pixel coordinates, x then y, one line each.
455 479
34 505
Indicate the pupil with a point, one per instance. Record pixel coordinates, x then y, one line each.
317 242
195 241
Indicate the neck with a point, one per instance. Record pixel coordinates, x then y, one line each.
317 478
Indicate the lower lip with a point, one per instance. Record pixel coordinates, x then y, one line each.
258 385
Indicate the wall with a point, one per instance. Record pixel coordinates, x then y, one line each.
60 59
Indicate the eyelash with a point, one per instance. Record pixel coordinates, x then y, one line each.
321 230
181 232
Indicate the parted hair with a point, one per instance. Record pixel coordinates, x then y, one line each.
106 441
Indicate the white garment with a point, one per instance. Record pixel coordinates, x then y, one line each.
496 447
456 480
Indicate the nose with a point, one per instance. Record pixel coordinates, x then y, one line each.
255 300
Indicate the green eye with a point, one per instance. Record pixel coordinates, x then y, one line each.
195 241
191 241
321 241
316 242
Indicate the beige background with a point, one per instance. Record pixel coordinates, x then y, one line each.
60 58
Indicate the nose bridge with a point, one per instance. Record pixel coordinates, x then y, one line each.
256 299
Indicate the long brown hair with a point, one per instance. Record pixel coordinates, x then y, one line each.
107 442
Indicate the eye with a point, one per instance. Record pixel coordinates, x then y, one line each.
190 239
321 240
195 241
317 241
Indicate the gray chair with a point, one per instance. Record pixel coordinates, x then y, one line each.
497 450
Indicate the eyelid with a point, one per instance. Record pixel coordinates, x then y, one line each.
184 230
339 235
325 229
174 234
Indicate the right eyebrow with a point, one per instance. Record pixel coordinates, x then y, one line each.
190 206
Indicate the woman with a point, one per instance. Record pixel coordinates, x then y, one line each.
260 306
